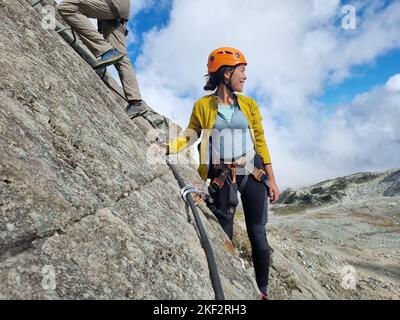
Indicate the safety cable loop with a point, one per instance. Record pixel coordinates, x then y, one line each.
205 242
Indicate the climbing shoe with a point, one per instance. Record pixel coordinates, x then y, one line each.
112 56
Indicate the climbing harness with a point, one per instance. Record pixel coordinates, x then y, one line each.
228 176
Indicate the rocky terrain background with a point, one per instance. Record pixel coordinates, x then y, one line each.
84 215
339 239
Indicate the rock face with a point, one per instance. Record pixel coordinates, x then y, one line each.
83 214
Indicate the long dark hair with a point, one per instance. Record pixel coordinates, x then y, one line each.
216 78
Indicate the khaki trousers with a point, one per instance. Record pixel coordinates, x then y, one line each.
77 13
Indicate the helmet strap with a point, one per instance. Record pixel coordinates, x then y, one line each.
228 84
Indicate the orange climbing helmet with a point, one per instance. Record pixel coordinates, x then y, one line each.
225 57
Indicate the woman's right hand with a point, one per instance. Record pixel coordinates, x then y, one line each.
274 192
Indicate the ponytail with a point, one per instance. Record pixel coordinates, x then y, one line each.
212 82
216 78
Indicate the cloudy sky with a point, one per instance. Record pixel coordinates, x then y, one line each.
329 95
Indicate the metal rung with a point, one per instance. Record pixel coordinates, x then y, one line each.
36 2
63 29
72 31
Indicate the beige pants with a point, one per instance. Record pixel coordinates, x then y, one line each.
76 14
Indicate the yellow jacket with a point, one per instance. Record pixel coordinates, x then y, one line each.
203 119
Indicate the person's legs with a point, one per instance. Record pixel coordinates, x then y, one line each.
255 206
116 37
225 219
77 13
220 206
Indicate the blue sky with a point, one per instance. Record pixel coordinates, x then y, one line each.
148 18
363 78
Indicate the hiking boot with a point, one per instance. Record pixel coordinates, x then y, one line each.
112 56
137 108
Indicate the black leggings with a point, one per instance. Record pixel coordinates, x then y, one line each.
255 205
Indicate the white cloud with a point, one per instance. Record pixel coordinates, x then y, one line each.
394 83
294 49
361 136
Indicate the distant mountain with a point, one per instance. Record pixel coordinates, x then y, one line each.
357 187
